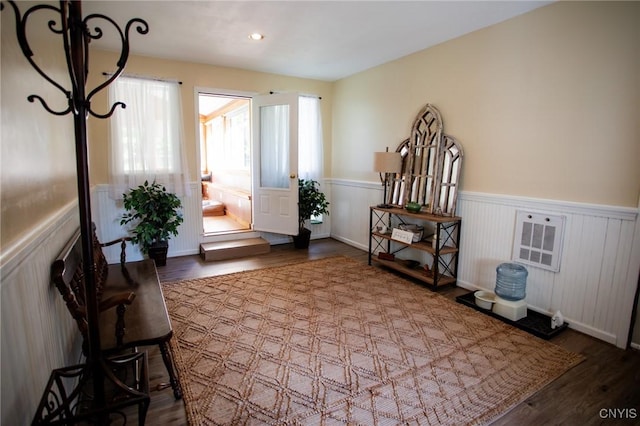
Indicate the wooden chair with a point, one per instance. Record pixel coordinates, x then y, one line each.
132 310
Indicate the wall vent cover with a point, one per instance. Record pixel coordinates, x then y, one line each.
538 240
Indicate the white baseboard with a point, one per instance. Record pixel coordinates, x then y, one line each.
350 242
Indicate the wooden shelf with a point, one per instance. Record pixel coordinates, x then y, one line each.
421 216
417 273
420 245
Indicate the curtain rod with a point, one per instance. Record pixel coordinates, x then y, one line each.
301 94
142 77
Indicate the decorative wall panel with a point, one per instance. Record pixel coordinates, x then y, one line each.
107 213
595 286
34 319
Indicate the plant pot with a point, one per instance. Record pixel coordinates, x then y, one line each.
301 241
158 252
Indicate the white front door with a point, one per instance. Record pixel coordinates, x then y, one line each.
275 163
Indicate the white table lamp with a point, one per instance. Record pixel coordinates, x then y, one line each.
385 163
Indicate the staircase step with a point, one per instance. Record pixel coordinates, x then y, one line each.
222 250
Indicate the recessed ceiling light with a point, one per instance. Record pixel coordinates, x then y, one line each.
256 36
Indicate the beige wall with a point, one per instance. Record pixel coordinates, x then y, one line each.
37 170
546 105
193 76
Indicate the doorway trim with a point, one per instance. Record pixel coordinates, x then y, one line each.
232 235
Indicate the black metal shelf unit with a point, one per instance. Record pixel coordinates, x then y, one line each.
383 247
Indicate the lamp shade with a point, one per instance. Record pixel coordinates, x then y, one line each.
387 162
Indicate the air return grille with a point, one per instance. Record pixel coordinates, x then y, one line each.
538 240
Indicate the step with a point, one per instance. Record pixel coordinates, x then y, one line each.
222 250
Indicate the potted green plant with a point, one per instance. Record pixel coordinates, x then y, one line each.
311 202
155 214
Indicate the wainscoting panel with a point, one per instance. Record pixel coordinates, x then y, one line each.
350 202
596 282
321 230
107 213
37 332
595 286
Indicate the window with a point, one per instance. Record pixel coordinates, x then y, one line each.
228 144
310 158
146 140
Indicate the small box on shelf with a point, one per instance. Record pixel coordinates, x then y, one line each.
386 256
402 236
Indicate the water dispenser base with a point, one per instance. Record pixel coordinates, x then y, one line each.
535 323
513 310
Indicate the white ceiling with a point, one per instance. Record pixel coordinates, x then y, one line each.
324 40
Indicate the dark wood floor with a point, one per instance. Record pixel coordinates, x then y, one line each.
607 383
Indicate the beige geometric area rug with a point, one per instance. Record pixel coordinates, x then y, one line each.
334 341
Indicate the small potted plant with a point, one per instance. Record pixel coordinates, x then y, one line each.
311 202
156 216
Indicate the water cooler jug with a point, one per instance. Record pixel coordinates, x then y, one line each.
511 282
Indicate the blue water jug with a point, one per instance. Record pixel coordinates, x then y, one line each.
511 281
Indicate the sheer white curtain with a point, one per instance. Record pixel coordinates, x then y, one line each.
146 140
310 150
310 145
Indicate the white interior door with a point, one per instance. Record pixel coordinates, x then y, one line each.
275 163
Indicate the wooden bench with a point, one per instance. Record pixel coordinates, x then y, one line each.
132 310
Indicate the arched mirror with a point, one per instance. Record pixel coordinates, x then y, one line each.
422 161
397 192
446 193
431 166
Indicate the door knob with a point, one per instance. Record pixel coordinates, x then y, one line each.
292 175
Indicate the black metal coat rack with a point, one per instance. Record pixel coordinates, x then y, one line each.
76 34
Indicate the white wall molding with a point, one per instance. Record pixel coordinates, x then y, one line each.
355 183
543 204
35 319
596 210
14 256
353 243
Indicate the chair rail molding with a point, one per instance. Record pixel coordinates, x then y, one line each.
613 212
